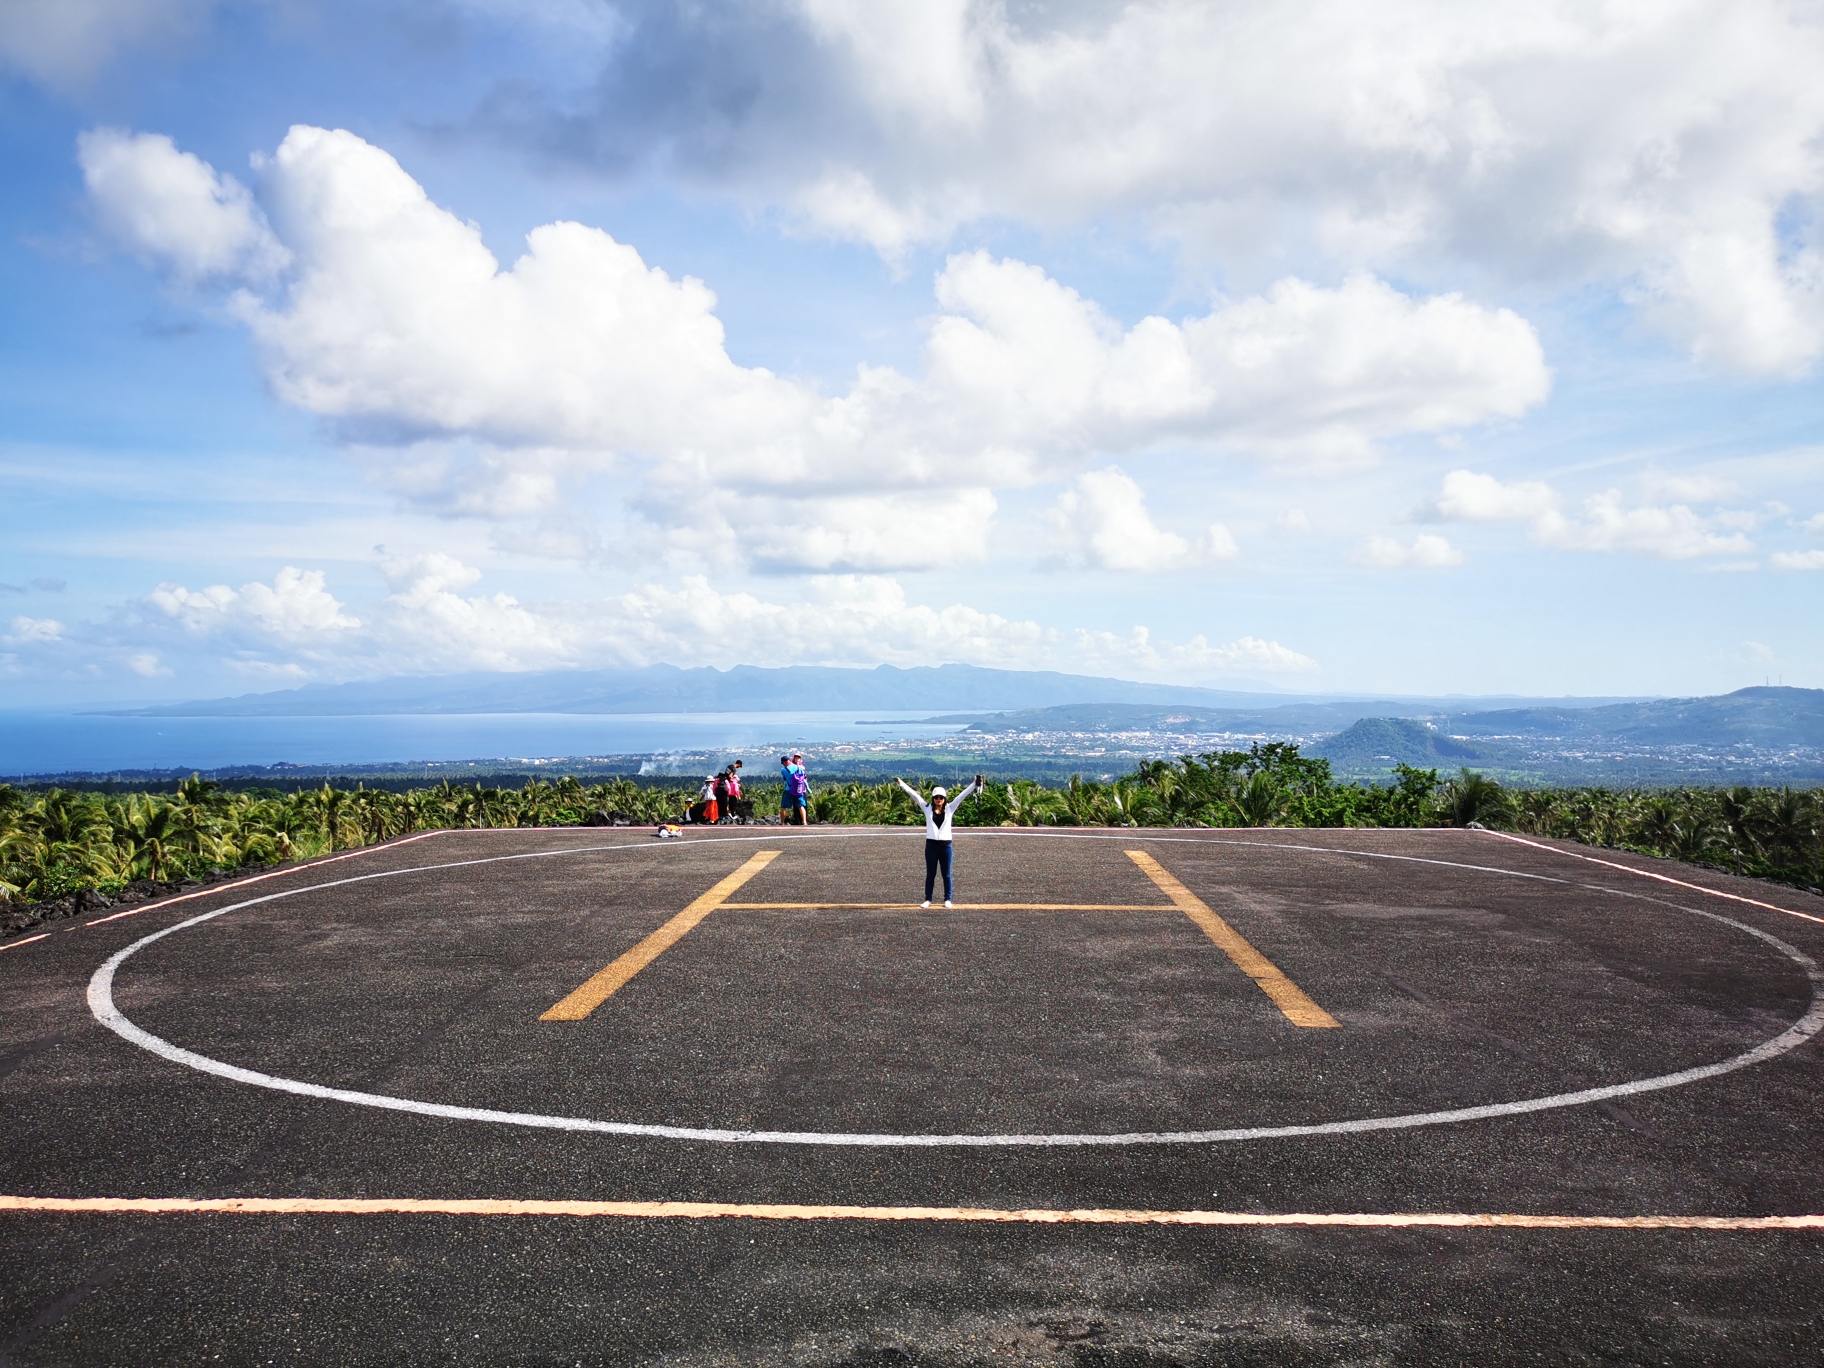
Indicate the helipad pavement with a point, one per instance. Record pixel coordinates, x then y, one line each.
1138 1097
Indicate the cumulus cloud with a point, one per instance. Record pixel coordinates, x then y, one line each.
1658 149
1673 532
489 385
434 618
24 631
1300 369
1427 551
1101 521
868 619
174 208
295 606
1799 560
1815 524
1469 497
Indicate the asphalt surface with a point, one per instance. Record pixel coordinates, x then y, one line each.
1456 985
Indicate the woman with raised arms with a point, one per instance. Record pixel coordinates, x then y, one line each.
937 832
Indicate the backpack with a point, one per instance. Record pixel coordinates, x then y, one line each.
797 786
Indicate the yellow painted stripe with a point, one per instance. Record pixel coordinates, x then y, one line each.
603 985
1300 1010
42 935
419 1206
961 907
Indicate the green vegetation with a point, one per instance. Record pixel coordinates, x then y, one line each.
64 842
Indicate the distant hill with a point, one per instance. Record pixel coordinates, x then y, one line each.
744 688
1377 744
1771 717
1757 735
1301 718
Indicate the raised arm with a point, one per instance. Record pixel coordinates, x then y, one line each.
975 786
914 792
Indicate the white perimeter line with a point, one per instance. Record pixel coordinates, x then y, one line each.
1649 874
229 885
101 1004
483 1206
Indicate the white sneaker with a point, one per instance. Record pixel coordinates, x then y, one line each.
948 903
925 903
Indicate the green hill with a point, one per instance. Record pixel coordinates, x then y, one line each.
1371 748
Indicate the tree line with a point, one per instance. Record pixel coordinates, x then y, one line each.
65 842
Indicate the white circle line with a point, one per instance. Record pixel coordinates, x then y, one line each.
101 1005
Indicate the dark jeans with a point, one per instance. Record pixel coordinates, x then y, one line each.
937 856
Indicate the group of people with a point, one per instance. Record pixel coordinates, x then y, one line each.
721 799
722 794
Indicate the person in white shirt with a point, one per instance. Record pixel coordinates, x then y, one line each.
937 832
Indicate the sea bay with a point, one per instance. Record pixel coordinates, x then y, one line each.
45 742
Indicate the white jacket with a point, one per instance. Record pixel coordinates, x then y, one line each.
934 829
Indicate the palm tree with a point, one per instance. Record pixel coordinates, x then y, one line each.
1475 798
1260 799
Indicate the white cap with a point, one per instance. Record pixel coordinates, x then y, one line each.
940 792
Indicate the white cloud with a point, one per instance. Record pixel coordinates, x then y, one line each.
1672 532
33 631
1428 550
1192 660
1101 521
172 207
436 628
294 607
1469 497
1299 370
429 622
910 529
1658 149
866 619
1294 520
1799 560
1815 524
490 387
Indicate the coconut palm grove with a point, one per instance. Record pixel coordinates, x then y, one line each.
67 851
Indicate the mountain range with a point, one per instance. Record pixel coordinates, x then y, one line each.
749 688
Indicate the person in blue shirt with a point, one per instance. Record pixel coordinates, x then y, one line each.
795 795
937 832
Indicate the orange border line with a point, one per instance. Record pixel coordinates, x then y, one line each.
419 1206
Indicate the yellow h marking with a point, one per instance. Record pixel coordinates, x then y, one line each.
603 985
1287 995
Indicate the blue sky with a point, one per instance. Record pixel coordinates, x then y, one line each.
1417 347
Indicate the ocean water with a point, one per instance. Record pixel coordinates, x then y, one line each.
52 743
